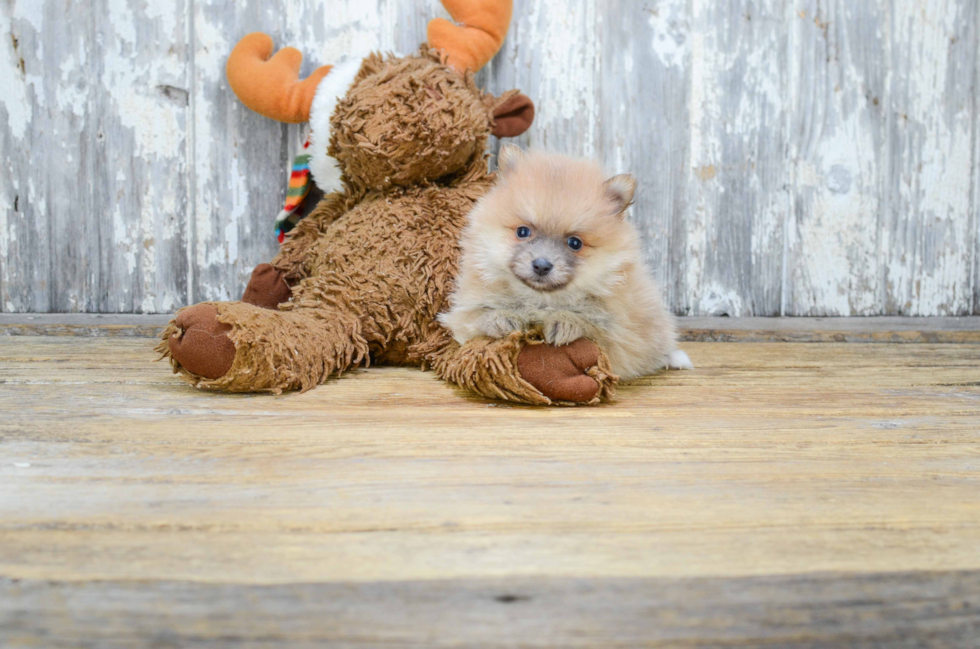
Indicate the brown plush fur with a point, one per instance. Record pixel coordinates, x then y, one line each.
407 121
372 267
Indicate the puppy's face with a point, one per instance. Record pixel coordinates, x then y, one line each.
552 224
541 259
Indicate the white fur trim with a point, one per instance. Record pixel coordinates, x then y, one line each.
679 360
332 88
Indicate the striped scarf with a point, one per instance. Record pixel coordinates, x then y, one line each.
300 184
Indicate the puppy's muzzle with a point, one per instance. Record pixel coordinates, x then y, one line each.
541 266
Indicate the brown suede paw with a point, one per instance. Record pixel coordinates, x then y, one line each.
267 288
201 344
561 373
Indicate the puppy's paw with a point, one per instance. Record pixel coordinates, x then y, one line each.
679 360
498 325
559 331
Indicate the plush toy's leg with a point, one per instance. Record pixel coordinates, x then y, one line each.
521 368
267 288
198 343
238 347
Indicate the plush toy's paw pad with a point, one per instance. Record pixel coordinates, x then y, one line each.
679 360
560 373
267 288
201 344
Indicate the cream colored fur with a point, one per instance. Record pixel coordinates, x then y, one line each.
603 292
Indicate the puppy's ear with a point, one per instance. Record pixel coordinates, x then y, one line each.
509 157
620 190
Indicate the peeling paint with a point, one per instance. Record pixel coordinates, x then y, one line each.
705 172
671 33
717 300
934 159
31 11
12 77
796 158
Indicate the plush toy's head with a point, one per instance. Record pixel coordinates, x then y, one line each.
388 121
410 119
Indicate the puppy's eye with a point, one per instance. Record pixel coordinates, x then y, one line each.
574 243
523 232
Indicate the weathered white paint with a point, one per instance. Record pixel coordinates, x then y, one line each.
737 175
975 195
932 135
104 91
795 157
837 153
643 69
552 56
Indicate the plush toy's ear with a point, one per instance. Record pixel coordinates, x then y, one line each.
620 190
509 157
513 116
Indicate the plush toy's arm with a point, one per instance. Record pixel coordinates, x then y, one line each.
295 256
523 369
487 367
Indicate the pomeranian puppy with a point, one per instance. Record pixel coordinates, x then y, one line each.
550 245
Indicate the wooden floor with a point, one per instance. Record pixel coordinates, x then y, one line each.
781 494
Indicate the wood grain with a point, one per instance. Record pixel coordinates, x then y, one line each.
738 173
883 329
93 194
975 197
932 132
837 149
240 159
823 610
778 493
794 157
644 84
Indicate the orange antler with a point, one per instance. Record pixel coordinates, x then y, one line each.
271 86
483 26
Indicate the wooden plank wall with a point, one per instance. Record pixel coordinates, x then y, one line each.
795 157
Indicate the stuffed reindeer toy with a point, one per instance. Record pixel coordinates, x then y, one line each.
398 146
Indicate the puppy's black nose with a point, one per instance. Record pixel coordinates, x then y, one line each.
541 266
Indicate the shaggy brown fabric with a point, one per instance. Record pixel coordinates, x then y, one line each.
492 368
278 351
267 288
406 121
371 267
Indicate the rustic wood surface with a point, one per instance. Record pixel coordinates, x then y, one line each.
879 329
816 495
795 157
896 610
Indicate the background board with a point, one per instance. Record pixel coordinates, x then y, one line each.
795 157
